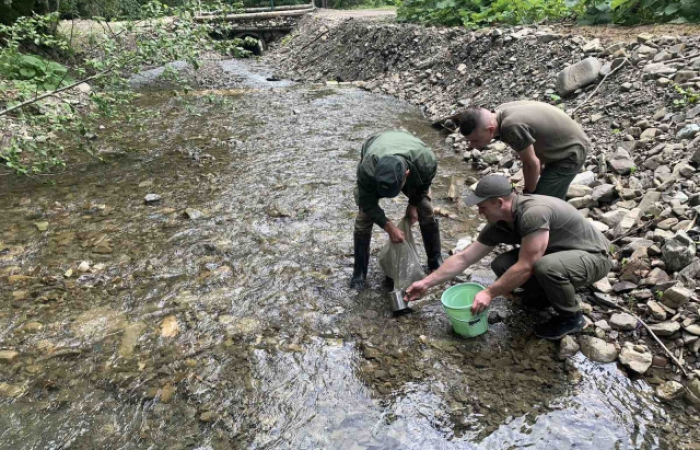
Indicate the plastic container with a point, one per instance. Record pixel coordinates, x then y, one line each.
457 302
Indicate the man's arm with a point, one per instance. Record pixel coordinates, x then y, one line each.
453 266
533 247
369 203
531 168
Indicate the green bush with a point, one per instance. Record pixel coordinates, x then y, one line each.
633 12
45 75
485 12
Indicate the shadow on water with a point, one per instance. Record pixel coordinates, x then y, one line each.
219 316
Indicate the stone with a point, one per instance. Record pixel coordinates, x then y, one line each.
612 218
603 325
636 358
669 391
628 222
622 166
600 226
691 114
103 248
84 88
584 178
603 285
578 75
578 190
41 226
693 329
130 338
582 202
166 394
10 390
151 198
656 310
684 75
658 69
593 46
667 224
676 296
206 416
193 214
649 199
665 328
688 131
649 134
568 347
624 286
84 267
678 252
8 356
603 193
656 276
645 50
170 327
597 349
624 322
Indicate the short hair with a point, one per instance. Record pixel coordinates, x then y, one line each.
470 120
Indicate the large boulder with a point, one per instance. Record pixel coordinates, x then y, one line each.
636 358
597 349
578 75
679 251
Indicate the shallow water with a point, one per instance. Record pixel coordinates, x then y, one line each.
236 329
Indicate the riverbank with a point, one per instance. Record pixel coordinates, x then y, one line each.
640 182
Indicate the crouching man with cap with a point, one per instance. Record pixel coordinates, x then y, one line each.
390 163
559 251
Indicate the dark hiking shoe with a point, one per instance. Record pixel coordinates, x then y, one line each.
533 302
558 327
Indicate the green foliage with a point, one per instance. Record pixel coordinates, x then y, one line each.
42 74
163 34
633 12
686 96
474 13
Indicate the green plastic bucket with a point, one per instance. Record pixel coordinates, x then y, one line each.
457 302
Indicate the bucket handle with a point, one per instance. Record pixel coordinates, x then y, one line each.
474 321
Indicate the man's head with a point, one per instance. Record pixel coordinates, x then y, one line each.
390 174
478 126
494 196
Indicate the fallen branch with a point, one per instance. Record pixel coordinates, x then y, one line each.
653 335
65 88
599 85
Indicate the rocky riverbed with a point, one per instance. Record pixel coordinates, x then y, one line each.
638 100
192 293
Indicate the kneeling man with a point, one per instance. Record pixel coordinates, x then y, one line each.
559 251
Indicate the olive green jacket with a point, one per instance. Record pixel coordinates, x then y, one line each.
421 161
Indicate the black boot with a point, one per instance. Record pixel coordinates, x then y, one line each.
359 274
558 327
431 241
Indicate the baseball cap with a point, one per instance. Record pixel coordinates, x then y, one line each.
388 174
490 186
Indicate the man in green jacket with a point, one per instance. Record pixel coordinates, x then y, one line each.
542 135
394 162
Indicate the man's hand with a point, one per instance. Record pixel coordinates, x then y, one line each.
416 290
481 302
396 236
412 213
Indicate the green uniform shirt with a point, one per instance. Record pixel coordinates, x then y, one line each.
421 161
568 229
553 134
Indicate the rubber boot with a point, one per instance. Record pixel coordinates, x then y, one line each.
431 241
359 274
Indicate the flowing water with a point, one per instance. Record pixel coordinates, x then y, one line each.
219 317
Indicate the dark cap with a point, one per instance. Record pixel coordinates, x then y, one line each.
491 186
388 174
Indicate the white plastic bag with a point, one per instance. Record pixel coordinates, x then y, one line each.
400 262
